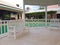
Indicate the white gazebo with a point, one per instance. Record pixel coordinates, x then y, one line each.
42 3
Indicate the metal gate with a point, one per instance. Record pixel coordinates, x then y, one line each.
3 28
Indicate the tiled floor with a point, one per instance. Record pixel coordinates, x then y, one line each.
34 37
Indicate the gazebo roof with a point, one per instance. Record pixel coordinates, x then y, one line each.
41 2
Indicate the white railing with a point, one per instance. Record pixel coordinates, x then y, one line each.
10 25
15 26
19 25
35 20
54 22
41 22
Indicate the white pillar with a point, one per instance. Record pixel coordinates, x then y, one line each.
23 16
46 15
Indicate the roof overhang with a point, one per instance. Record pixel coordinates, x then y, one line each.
41 2
9 8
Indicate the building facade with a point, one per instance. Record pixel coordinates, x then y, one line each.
52 10
9 11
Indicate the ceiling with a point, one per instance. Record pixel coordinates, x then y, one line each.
41 2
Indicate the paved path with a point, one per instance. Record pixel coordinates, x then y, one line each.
35 37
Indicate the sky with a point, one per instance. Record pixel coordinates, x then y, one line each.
20 2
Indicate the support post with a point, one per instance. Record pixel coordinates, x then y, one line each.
23 16
46 15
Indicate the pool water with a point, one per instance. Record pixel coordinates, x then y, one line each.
36 24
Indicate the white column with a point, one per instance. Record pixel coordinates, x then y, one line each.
46 15
23 16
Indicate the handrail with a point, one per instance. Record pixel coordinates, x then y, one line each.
40 20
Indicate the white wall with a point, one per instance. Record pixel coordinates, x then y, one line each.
6 3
